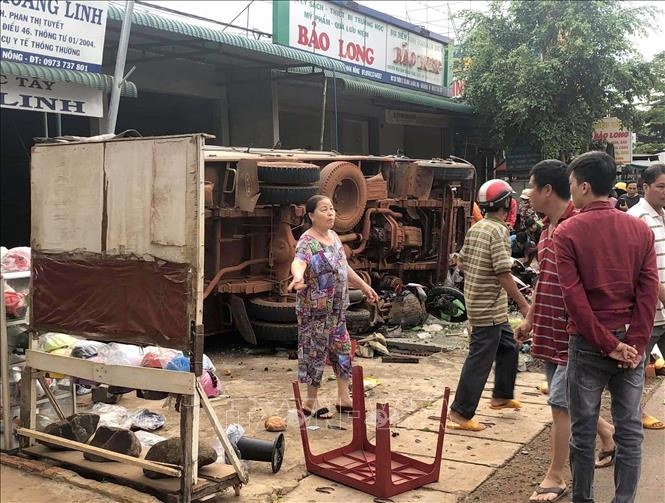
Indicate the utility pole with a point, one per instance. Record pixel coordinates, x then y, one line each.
121 57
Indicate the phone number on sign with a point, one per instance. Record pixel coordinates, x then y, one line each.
57 63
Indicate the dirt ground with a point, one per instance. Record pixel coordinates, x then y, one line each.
516 480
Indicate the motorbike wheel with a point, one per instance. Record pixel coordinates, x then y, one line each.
447 304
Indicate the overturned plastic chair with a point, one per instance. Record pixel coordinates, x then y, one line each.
373 469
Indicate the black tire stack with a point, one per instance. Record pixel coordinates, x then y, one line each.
285 182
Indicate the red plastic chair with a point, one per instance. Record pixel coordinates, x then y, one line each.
373 469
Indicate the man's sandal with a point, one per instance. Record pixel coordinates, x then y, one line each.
606 458
469 425
559 492
652 423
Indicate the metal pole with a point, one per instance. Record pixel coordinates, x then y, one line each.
58 125
323 111
45 125
121 56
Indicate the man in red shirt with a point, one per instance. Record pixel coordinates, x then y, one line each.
546 322
610 295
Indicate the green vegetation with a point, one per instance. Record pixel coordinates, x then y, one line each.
540 73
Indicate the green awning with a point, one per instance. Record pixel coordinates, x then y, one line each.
94 80
366 87
154 20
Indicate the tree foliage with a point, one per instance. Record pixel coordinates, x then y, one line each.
651 127
542 72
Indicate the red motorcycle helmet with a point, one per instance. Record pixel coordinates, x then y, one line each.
495 194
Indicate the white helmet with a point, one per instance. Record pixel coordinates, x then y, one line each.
494 194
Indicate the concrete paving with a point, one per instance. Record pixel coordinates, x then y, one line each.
260 385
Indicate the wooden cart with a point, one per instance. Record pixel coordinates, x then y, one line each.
117 255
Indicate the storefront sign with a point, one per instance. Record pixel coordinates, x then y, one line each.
403 118
521 158
368 46
609 130
40 95
56 33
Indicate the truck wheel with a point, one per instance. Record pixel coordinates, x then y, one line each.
357 320
344 184
447 304
284 173
283 334
271 309
284 194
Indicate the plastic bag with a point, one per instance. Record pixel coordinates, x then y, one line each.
156 357
234 432
86 349
210 384
148 439
180 363
143 419
15 304
112 415
120 354
50 341
16 259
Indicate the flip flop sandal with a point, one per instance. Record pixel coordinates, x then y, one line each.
469 425
606 458
322 413
344 408
652 423
559 491
510 404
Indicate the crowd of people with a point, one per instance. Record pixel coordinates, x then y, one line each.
593 326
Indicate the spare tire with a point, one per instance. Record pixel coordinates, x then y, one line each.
283 334
288 173
357 320
344 184
271 309
285 194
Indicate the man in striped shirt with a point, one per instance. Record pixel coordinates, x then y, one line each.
650 210
546 322
486 262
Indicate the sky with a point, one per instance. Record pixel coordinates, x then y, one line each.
436 16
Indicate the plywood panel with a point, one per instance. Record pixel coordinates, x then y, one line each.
67 197
169 190
153 196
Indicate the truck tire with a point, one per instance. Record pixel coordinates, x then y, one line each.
447 304
270 309
344 184
285 194
283 334
288 173
357 320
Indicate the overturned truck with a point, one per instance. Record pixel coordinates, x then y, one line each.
400 220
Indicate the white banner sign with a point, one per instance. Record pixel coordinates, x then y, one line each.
368 46
609 130
40 95
59 34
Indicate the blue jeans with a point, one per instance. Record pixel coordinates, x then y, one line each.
588 374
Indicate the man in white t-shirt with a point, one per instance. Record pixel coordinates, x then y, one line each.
650 209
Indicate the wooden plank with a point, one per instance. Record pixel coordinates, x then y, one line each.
399 359
221 474
118 375
113 456
51 397
221 434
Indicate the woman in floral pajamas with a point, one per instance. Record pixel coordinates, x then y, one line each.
321 276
